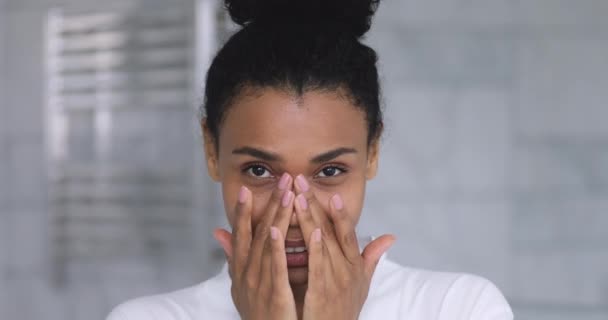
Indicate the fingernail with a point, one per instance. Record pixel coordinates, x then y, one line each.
284 181
316 235
302 183
243 194
337 201
287 197
302 201
274 233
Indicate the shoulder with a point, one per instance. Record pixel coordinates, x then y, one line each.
439 295
209 299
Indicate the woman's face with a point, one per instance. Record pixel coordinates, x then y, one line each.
320 135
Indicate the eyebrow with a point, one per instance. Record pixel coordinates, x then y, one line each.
258 153
272 157
330 155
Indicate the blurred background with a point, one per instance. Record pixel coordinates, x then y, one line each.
495 157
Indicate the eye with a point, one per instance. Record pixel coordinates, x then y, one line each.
258 171
330 171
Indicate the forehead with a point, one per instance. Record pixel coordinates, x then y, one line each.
284 123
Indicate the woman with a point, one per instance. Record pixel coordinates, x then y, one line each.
292 130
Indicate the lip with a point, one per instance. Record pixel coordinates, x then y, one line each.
297 260
295 243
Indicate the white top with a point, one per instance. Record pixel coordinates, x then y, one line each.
396 292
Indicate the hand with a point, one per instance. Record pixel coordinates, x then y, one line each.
339 275
258 266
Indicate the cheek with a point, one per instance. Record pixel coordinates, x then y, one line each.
260 201
231 185
323 197
353 203
352 196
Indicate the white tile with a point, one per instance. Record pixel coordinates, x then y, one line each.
442 12
123 280
450 236
33 297
5 182
27 167
577 279
560 13
3 45
91 301
562 88
28 242
444 57
560 223
560 166
36 5
24 67
444 144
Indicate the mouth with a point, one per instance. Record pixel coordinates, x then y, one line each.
295 250
296 253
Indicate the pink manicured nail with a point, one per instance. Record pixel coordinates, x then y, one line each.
316 235
337 201
243 194
302 183
274 233
302 201
284 181
287 197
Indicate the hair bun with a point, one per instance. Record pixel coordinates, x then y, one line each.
353 16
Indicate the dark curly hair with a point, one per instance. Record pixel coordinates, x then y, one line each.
298 46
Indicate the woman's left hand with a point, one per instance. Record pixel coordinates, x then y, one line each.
339 275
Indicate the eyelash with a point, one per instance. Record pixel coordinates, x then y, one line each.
248 167
253 165
341 168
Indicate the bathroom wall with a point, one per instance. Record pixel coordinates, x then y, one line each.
494 159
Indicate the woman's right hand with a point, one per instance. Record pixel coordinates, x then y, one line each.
257 262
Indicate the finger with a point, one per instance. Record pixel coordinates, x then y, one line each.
345 229
321 219
265 272
316 210
280 223
315 262
280 276
374 250
241 234
224 238
283 217
262 231
307 224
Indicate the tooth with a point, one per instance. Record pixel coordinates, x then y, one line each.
300 249
289 250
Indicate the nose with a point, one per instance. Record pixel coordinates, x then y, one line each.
293 222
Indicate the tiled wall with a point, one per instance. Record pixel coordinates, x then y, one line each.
497 132
495 157
3 176
29 284
22 168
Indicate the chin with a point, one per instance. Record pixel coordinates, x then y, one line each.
298 276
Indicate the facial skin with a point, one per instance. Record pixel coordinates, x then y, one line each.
320 135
